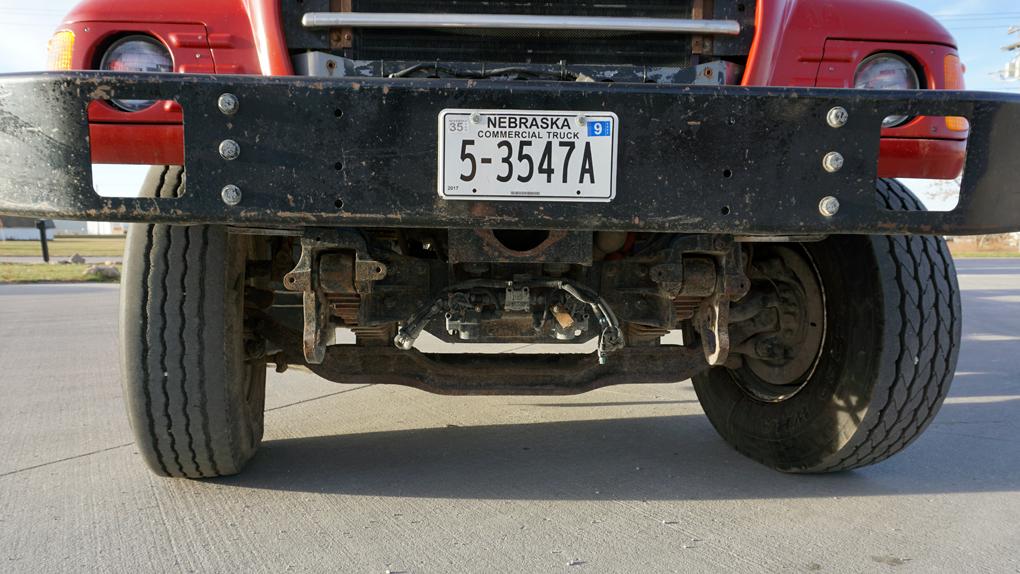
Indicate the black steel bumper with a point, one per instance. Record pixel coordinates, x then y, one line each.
692 159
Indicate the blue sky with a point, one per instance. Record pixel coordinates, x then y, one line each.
980 28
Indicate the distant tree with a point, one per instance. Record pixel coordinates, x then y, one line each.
946 189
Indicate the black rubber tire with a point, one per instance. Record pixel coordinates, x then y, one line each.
194 400
892 338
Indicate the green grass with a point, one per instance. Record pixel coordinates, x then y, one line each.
66 246
42 273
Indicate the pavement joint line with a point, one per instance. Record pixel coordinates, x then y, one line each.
358 388
967 435
75 457
83 455
947 423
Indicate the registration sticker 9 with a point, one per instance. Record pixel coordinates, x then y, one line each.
601 128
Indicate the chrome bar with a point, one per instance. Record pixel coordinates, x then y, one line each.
516 21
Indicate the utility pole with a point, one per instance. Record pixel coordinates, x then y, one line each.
1012 71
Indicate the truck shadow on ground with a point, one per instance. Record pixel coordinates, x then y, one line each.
643 458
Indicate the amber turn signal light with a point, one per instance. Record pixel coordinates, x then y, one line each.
953 74
61 48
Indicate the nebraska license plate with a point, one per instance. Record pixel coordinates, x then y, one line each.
525 155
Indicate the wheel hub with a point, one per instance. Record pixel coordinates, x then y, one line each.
779 328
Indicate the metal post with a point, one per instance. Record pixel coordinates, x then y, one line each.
41 226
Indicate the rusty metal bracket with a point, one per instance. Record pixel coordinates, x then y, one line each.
658 291
487 245
304 279
702 10
713 316
332 261
341 38
712 323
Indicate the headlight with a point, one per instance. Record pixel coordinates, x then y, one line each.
887 71
136 54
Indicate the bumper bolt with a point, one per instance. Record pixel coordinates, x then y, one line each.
828 206
832 162
837 117
231 194
476 118
230 150
228 104
582 121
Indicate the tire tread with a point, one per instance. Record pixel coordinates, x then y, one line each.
911 398
182 391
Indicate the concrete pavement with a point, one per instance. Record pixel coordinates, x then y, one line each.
376 479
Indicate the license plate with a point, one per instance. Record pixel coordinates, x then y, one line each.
525 155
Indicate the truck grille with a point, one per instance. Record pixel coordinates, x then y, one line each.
526 46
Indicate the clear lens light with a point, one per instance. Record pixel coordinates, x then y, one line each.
887 72
139 54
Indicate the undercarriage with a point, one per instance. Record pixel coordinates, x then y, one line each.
619 293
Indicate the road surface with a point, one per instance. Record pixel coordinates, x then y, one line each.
377 479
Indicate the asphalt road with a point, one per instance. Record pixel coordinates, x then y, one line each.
370 479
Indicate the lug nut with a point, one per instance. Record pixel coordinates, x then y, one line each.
837 117
828 206
229 104
230 150
832 162
231 194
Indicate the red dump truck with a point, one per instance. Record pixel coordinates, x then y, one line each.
597 175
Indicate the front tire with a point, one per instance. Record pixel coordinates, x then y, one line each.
884 366
194 389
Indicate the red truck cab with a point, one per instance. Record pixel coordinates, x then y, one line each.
588 175
795 43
